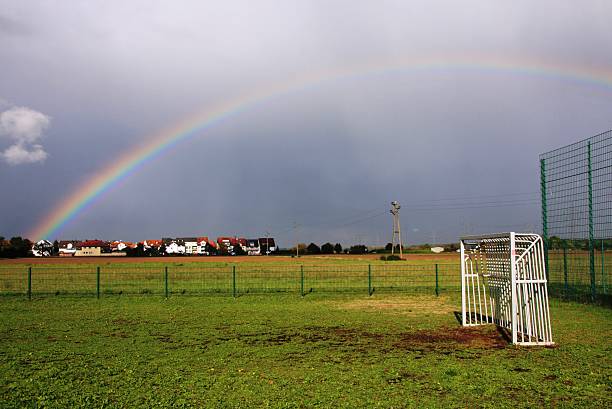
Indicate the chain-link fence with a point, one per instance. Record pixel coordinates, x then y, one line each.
231 280
576 185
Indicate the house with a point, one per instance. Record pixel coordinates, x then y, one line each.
149 245
252 247
120 245
174 246
42 248
92 248
67 248
190 243
242 242
229 244
204 246
267 245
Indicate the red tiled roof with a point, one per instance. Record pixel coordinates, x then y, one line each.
93 243
232 240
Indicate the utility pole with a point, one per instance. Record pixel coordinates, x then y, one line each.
395 208
267 243
297 240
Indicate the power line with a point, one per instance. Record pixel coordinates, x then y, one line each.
536 194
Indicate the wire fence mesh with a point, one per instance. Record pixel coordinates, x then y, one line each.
231 280
576 184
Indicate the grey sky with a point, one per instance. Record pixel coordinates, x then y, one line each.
446 143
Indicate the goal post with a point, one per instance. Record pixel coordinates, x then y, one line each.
503 282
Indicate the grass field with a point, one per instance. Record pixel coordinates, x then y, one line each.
228 275
334 348
284 351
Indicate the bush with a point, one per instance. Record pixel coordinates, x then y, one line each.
391 257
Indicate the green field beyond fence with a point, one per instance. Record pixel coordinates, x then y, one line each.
574 275
569 277
231 280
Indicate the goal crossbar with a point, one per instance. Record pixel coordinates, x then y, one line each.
503 282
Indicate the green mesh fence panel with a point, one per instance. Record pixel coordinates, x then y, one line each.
576 183
227 279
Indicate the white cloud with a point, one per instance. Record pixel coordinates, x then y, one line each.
24 127
18 154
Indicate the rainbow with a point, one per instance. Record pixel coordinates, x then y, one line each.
131 161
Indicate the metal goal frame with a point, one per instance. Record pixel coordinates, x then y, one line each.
503 282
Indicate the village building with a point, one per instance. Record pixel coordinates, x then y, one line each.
229 244
252 247
120 245
204 246
89 248
190 243
42 248
67 248
174 246
148 245
267 245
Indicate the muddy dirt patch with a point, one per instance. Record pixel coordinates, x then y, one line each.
444 340
452 338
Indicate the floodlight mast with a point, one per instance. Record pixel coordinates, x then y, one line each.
397 231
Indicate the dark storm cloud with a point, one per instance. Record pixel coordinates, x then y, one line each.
448 144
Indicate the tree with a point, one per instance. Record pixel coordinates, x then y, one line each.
135 252
238 250
223 249
313 249
19 247
338 248
358 249
210 250
55 248
152 251
388 247
327 248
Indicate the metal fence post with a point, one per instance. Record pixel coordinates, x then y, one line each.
302 280
544 215
565 283
166 280
591 234
369 279
603 272
98 282
30 283
437 288
234 281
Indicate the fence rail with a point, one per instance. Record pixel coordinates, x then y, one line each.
234 280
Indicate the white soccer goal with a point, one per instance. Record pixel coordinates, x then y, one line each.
503 281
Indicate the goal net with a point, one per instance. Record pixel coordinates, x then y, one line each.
503 282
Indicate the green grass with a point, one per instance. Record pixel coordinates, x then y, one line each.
388 350
143 278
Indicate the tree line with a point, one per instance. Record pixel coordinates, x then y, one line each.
326 248
557 243
15 247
